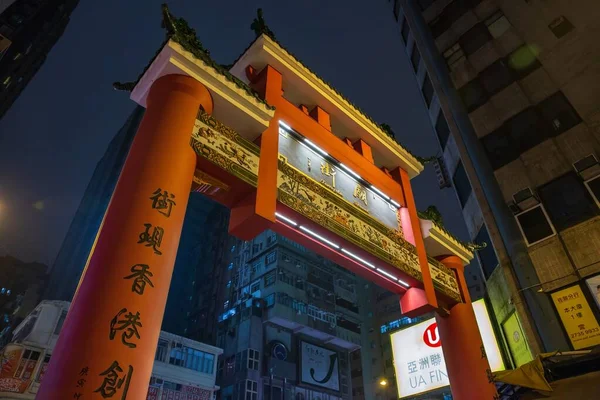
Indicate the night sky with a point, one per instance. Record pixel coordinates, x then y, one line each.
58 129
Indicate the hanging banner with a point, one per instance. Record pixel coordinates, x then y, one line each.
577 317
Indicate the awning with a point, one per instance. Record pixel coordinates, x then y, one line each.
530 375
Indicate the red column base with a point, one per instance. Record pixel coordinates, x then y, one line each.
468 368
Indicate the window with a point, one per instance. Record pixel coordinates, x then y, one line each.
275 393
255 287
450 14
27 364
415 58
427 90
557 110
348 325
497 24
270 278
251 390
257 267
405 31
453 55
534 225
473 95
474 38
442 130
461 184
348 305
487 255
61 321
271 257
567 201
193 359
161 350
253 358
593 186
527 129
43 368
522 62
270 300
496 77
560 26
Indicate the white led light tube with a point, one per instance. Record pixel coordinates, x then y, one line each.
319 237
286 219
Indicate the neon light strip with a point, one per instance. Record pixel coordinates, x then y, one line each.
354 174
387 274
359 259
286 219
400 281
319 237
317 148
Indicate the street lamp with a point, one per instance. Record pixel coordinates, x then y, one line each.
383 382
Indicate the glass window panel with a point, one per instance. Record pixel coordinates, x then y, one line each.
535 225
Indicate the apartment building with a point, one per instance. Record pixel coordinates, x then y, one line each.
512 90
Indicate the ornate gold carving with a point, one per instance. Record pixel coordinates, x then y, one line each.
225 148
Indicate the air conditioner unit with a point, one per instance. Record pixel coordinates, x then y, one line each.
514 208
525 199
587 167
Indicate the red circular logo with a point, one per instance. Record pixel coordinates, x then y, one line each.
431 336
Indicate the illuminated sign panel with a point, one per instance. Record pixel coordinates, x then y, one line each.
519 349
340 181
419 359
577 317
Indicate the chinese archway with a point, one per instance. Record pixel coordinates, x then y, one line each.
284 151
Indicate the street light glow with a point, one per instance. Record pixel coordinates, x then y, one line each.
383 382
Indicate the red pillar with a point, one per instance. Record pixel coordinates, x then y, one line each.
107 344
468 368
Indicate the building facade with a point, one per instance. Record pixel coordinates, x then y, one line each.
28 31
184 369
511 88
285 307
80 237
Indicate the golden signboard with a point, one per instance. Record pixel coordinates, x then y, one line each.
577 317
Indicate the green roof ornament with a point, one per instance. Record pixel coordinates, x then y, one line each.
388 130
259 26
179 28
433 214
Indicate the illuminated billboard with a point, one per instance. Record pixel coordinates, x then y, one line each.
419 359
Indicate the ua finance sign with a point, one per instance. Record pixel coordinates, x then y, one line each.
419 359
